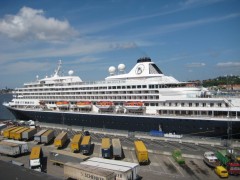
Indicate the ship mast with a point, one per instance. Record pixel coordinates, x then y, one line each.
57 71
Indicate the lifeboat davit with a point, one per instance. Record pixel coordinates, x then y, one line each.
104 105
84 104
62 104
134 105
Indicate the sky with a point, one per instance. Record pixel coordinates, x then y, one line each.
187 39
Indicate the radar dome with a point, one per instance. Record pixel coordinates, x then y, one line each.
121 67
112 70
70 72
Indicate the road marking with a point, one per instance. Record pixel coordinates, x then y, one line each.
161 165
176 167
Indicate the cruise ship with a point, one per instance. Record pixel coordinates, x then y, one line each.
143 99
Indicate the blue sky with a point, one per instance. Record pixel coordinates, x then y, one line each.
187 39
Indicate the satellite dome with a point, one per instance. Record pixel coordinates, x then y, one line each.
121 67
70 72
111 70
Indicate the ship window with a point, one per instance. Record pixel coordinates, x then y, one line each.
170 104
190 104
139 86
133 87
219 104
128 87
204 104
197 104
123 87
118 87
182 104
211 104
144 86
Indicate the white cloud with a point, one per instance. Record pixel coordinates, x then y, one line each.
23 67
195 65
229 64
31 23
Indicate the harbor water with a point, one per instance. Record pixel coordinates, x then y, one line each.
4 113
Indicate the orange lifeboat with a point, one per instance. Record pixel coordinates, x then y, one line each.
84 104
62 104
105 105
134 105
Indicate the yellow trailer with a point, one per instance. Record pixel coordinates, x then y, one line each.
60 140
18 134
76 141
106 148
85 145
6 132
141 152
12 133
35 158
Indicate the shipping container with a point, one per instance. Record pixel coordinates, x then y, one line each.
8 148
123 170
117 148
76 141
23 145
106 148
18 134
47 136
35 158
85 172
29 134
86 145
12 133
61 157
133 166
60 140
6 132
13 148
37 136
141 152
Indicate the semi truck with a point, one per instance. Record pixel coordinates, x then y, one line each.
61 157
35 158
18 134
6 132
60 140
37 136
141 152
47 136
117 148
106 148
76 142
86 145
29 134
228 160
80 171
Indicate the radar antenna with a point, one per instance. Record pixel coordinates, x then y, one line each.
57 71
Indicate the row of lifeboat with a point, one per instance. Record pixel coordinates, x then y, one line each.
131 105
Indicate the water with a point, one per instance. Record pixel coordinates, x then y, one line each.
4 113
